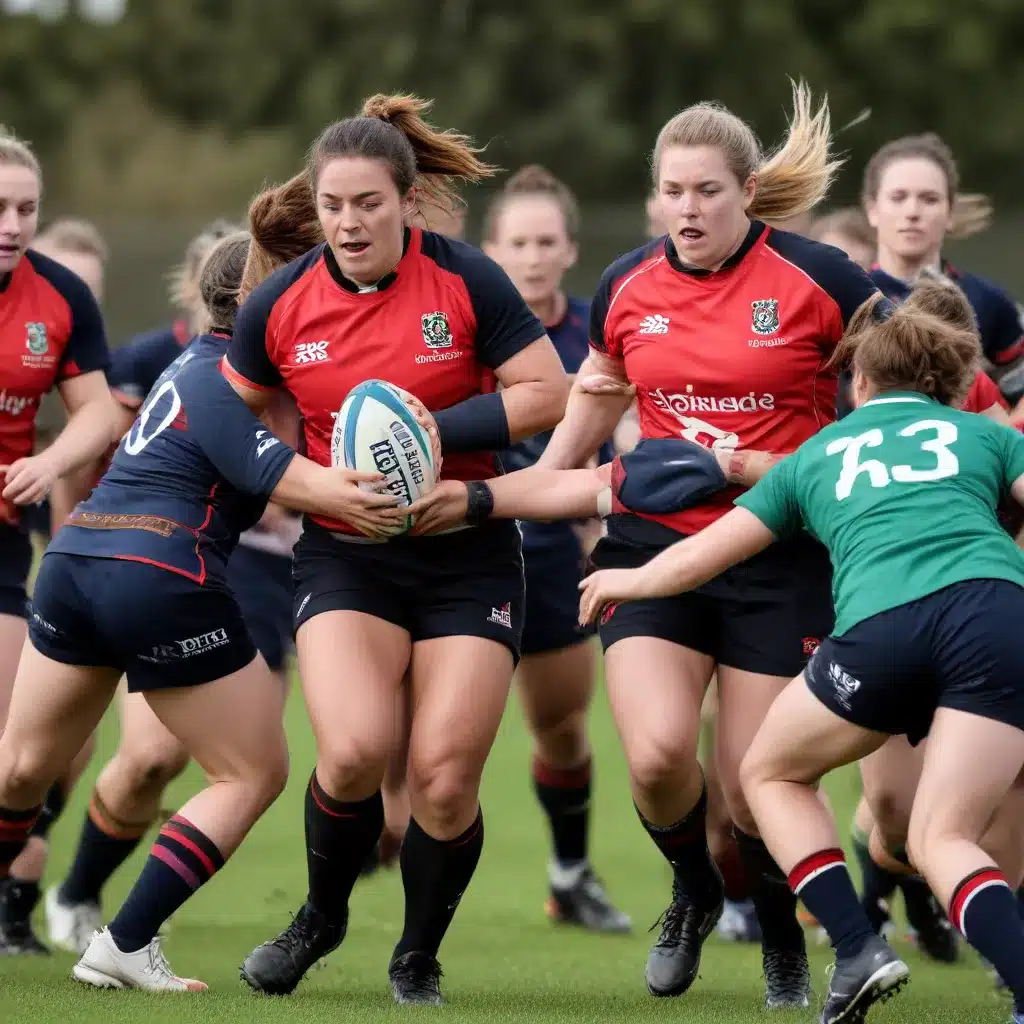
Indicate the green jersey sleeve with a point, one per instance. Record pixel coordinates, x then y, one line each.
1013 457
773 499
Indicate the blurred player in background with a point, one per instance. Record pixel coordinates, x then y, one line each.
848 229
530 231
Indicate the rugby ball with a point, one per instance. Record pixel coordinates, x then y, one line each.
376 432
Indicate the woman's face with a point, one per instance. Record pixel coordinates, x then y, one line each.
912 211
19 213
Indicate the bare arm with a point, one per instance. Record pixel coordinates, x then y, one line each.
681 567
534 389
91 411
590 419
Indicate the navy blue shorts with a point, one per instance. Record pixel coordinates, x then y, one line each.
15 565
552 597
961 647
158 627
468 583
262 583
765 615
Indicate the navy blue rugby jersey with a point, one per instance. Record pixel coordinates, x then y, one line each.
136 366
191 475
571 339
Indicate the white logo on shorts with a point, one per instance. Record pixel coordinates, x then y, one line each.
502 616
843 683
305 601
204 642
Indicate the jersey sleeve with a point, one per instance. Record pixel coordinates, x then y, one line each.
599 306
505 324
845 285
1003 332
248 358
245 451
134 369
774 500
983 394
86 350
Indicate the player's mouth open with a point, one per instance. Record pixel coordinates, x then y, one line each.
355 247
691 234
7 249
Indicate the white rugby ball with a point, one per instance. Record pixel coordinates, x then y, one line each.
376 432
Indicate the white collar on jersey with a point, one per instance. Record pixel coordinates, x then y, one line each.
893 400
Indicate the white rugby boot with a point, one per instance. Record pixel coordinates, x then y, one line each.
103 965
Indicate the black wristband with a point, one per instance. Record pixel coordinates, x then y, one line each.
478 424
479 502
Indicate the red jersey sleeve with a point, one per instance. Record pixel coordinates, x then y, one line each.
86 349
250 358
614 277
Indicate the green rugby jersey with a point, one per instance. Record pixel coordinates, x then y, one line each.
903 493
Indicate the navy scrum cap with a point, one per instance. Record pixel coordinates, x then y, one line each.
664 474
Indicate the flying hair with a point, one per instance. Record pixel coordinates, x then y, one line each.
392 128
970 212
910 347
791 180
534 180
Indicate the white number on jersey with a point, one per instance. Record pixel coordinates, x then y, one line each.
879 475
137 438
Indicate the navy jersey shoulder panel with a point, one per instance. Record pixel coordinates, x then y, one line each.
1000 319
613 274
86 349
830 268
136 365
505 324
247 353
570 335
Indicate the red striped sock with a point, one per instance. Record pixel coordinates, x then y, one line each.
15 827
823 882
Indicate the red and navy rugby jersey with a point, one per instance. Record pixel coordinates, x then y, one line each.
733 358
999 318
438 326
50 330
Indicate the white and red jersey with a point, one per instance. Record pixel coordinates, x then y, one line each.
734 358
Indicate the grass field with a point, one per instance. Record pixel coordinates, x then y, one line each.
504 961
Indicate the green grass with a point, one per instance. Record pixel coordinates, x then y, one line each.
504 961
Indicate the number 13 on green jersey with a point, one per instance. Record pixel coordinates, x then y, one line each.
903 492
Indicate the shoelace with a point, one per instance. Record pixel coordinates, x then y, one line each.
158 965
300 931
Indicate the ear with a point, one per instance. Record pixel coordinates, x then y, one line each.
572 254
871 212
749 191
488 248
408 202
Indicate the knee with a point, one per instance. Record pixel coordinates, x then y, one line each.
890 816
659 759
445 788
346 766
25 775
562 740
268 776
154 769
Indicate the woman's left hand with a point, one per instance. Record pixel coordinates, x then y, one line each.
440 508
608 586
425 419
28 480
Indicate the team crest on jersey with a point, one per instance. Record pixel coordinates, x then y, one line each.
765 319
35 340
436 332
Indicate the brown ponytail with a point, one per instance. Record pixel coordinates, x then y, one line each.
219 279
392 128
909 348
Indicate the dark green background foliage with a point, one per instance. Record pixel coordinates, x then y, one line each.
184 107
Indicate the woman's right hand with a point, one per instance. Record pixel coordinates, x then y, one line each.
360 500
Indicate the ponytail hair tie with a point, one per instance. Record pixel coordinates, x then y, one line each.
882 310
